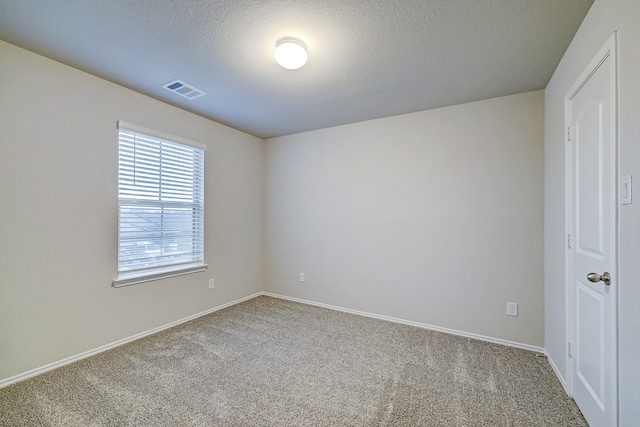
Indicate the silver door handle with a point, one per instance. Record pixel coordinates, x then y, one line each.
595 278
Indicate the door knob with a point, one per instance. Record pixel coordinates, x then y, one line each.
595 278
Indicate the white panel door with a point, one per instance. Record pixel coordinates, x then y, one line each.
591 135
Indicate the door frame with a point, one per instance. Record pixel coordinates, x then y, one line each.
609 50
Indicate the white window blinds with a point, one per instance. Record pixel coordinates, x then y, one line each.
160 205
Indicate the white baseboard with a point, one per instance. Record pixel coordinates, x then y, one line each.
412 323
557 371
66 361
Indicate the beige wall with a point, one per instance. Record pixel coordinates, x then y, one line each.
605 17
58 215
434 217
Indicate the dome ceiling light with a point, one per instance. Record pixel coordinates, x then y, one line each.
290 53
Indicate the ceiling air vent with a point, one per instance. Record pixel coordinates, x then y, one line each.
183 89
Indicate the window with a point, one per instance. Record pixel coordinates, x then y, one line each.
160 205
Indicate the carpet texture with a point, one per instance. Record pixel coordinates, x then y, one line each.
271 362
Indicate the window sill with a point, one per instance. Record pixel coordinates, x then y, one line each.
127 279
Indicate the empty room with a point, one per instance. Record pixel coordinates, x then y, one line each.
319 213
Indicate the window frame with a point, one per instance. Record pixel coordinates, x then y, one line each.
127 277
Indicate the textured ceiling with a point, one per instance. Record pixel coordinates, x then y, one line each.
367 58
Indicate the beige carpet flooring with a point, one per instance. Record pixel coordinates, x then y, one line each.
271 362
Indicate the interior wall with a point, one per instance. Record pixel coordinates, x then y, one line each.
58 221
434 217
604 17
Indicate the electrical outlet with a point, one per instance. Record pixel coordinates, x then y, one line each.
512 309
301 279
212 283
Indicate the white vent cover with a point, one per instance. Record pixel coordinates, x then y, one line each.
183 89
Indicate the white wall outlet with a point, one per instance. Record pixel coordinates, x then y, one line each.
212 283
512 309
301 279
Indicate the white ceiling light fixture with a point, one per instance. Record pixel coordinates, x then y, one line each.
290 53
